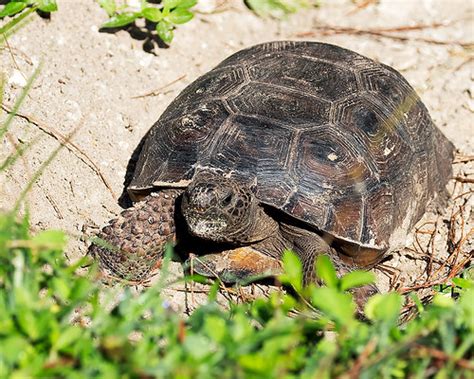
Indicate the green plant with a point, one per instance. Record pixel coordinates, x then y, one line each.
16 6
279 8
165 16
64 325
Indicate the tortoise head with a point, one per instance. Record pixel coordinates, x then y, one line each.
220 209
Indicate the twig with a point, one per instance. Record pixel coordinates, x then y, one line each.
13 58
464 180
459 158
52 202
354 371
329 29
361 5
160 90
73 148
222 285
423 351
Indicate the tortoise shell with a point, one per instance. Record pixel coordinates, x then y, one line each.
323 134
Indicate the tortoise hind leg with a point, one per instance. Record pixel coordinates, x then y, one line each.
132 245
309 245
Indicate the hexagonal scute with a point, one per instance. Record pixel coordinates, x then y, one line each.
378 216
247 56
383 135
389 86
274 187
173 146
346 218
248 144
305 75
285 106
303 206
216 84
329 163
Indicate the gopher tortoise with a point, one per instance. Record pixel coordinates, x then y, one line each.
285 145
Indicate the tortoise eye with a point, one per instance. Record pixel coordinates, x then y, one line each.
227 200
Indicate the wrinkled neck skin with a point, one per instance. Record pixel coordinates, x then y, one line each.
222 209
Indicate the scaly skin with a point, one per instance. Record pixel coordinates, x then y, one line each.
135 241
132 245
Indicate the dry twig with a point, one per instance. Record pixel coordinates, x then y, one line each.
159 91
72 147
383 32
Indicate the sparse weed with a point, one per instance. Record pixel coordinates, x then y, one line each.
279 8
14 7
164 17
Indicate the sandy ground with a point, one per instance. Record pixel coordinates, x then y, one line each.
92 82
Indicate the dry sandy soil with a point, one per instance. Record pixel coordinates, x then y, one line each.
92 82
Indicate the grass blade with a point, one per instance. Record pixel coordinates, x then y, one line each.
39 172
19 151
18 102
13 25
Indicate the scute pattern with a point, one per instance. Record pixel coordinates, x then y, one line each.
309 77
280 104
173 145
244 138
322 133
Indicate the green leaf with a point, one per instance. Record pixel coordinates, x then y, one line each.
14 25
165 31
215 328
443 301
52 239
466 304
152 14
326 272
384 307
180 16
198 346
186 4
28 323
417 301
47 6
337 305
12 8
463 283
121 20
61 288
68 336
278 8
10 347
254 363
356 279
170 4
293 270
109 6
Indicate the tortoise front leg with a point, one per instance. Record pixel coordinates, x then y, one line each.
131 246
242 264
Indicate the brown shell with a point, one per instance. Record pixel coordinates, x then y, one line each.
326 135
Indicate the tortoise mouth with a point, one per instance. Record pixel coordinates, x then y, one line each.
209 224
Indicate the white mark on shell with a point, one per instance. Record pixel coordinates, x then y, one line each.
360 187
386 151
332 157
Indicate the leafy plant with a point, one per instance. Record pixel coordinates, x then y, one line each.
16 6
279 8
165 16
55 322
